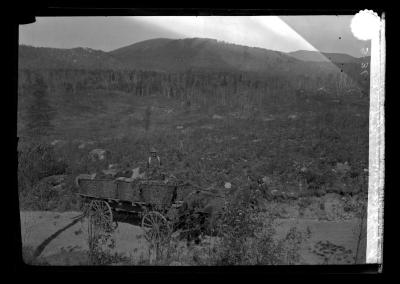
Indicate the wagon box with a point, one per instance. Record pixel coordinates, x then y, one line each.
148 191
127 191
162 205
157 193
101 188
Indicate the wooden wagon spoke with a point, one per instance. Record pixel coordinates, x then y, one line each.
100 216
157 225
157 236
148 225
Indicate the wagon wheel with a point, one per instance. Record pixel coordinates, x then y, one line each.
156 227
100 217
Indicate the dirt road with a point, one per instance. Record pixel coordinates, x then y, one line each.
329 242
70 246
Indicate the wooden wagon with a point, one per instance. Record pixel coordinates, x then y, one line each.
150 203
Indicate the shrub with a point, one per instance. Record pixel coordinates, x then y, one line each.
245 236
36 162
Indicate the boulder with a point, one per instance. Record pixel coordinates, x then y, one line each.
56 182
322 91
216 116
292 194
342 168
270 118
59 187
98 154
113 166
57 142
332 206
84 144
267 180
52 183
227 185
277 194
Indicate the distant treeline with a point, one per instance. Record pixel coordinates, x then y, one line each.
196 86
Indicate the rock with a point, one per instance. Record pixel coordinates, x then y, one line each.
342 168
322 91
292 194
59 187
57 179
113 166
268 118
216 116
332 206
228 185
57 142
292 116
267 180
275 192
56 182
98 154
84 144
179 127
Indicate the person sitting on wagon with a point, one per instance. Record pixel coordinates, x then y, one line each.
153 165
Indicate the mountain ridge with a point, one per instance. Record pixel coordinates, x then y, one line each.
176 55
317 56
72 58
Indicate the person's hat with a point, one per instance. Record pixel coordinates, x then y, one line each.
153 150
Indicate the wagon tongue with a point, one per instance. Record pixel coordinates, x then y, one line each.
79 216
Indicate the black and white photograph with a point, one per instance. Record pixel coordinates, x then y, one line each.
198 140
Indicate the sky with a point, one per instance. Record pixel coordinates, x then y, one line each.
285 33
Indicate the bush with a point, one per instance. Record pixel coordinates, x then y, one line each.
246 233
36 162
